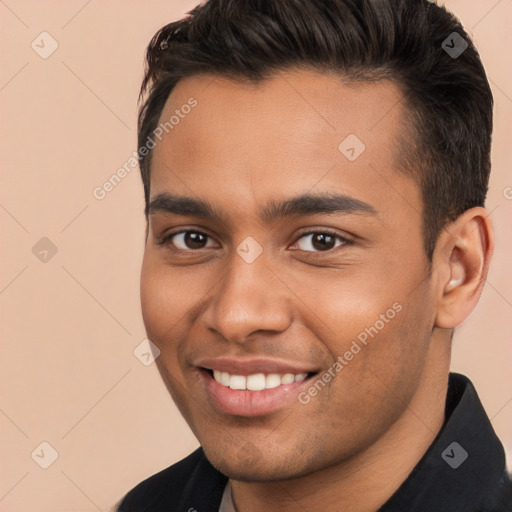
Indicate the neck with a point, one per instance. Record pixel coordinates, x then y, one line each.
366 481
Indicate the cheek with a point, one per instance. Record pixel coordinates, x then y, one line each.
154 295
380 330
161 304
347 305
391 346
170 300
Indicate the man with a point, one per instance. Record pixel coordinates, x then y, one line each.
315 175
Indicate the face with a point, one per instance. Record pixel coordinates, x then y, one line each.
321 307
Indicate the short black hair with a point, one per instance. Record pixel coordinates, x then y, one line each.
447 137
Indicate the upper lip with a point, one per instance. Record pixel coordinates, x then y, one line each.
237 366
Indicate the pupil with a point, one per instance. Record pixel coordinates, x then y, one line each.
192 240
322 238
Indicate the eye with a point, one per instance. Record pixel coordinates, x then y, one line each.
186 240
321 241
315 241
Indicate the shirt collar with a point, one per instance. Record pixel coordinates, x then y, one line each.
463 465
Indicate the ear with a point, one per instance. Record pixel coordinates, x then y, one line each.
460 266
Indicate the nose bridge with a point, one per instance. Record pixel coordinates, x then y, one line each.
248 299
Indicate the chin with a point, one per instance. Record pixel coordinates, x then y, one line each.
257 473
249 464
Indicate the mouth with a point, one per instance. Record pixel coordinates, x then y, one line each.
255 394
257 381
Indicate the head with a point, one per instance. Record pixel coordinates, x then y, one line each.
302 124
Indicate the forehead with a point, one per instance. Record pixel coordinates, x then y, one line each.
284 136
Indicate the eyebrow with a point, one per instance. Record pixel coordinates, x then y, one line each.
305 204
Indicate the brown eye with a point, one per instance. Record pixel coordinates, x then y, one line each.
321 241
187 240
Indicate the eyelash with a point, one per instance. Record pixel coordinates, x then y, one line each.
345 241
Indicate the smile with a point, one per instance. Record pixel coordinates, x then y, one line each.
256 381
256 394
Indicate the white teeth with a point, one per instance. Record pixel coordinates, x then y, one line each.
237 382
287 378
272 381
256 381
224 379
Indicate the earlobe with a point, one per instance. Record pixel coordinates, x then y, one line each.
462 261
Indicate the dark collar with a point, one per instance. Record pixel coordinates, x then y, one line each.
462 469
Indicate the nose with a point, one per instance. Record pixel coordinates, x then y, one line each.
250 298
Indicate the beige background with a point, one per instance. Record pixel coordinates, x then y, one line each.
70 325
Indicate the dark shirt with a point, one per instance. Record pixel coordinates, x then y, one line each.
462 471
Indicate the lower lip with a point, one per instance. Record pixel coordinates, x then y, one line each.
251 403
